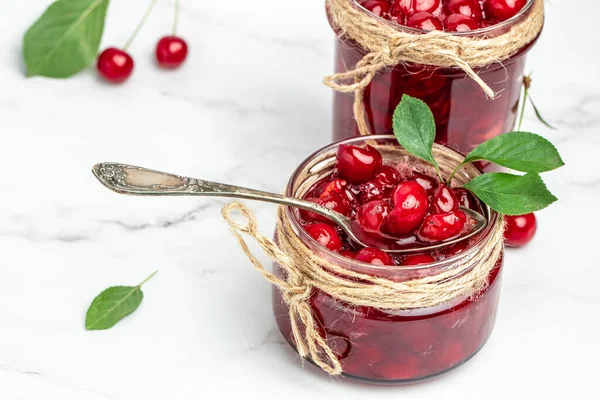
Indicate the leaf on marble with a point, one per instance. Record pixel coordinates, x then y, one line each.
114 304
65 39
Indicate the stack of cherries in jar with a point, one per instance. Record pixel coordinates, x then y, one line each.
388 202
447 15
396 204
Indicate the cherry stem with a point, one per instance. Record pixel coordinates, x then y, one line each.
140 25
176 21
147 279
439 173
458 167
526 85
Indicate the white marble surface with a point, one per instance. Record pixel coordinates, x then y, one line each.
247 108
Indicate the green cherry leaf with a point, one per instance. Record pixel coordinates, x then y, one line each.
521 151
114 304
511 194
414 127
65 39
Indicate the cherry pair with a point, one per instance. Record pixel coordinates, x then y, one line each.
116 65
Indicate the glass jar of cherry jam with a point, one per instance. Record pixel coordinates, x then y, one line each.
405 346
464 115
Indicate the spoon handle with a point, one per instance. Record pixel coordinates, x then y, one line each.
138 181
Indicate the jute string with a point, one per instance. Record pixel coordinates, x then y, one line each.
387 46
306 270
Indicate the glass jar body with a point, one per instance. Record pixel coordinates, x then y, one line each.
375 346
464 115
404 346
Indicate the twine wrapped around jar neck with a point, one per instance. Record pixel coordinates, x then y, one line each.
306 270
388 46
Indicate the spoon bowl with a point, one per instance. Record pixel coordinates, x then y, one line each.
139 181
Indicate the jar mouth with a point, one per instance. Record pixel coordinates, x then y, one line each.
477 32
306 165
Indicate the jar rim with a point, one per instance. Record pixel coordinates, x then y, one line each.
477 32
493 216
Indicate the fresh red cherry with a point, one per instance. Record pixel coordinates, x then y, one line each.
371 255
427 182
519 229
377 7
468 8
503 9
325 234
171 51
460 23
418 259
424 21
372 214
358 164
439 227
426 5
115 65
410 207
444 200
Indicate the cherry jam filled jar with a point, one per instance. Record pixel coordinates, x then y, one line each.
464 115
401 346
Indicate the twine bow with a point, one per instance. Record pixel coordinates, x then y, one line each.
295 291
306 270
387 46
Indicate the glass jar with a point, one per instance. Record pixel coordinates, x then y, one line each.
394 347
464 116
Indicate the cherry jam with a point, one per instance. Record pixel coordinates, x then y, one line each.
392 347
391 207
401 347
465 117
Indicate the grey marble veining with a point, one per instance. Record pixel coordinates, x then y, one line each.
246 109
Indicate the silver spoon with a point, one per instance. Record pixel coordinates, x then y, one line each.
138 181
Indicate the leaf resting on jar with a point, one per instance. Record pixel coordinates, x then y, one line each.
521 151
414 127
511 194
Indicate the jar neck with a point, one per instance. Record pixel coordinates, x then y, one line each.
490 31
322 163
